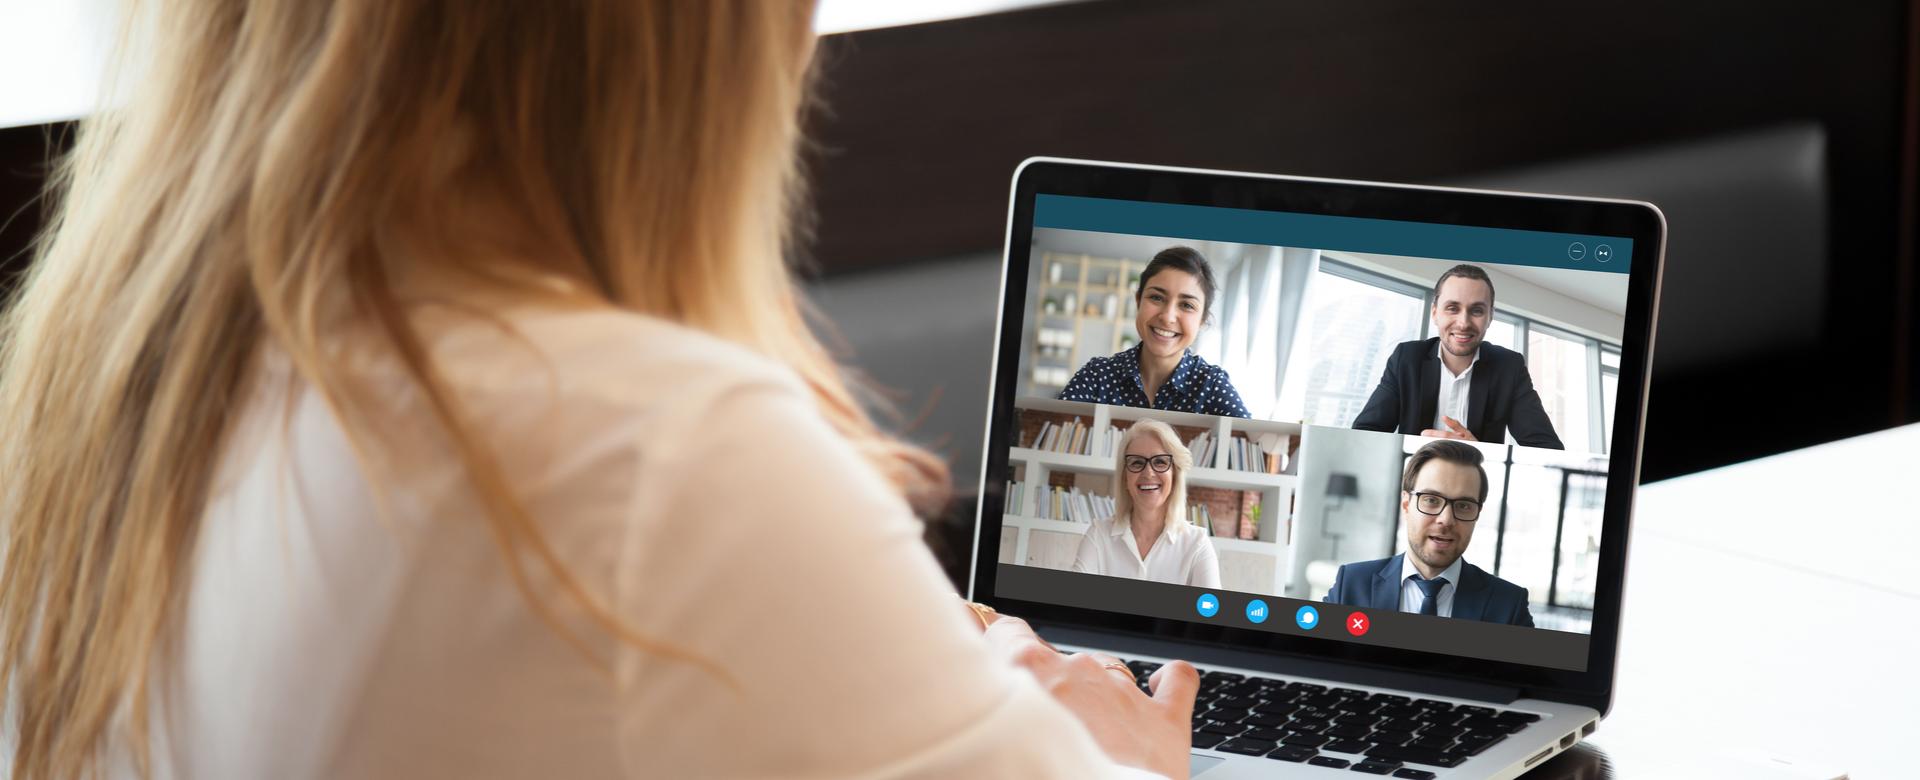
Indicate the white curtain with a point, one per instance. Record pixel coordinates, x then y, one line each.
1257 320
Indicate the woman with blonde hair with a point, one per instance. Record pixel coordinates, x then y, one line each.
416 388
1149 536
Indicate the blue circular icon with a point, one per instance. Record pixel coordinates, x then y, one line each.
1208 605
1307 618
1256 611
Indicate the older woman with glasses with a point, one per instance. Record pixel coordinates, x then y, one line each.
1149 536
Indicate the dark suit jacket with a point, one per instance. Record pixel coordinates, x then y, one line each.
1478 596
1501 398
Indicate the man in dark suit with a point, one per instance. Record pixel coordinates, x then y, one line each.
1440 497
1455 385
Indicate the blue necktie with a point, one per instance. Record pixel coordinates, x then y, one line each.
1430 588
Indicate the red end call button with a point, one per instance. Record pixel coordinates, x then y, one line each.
1357 624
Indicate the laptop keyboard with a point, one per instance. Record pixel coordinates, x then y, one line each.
1339 728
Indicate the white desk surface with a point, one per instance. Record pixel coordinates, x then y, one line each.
1773 610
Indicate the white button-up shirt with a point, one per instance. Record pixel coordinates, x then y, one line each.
1454 389
1182 554
698 495
1412 598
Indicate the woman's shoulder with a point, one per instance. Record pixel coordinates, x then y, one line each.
597 354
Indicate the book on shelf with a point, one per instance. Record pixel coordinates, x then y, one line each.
1071 505
1201 448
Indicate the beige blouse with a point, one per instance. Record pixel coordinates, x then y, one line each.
688 483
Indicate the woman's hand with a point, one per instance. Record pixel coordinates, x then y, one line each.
1152 733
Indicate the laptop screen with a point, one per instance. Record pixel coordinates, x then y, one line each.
1379 432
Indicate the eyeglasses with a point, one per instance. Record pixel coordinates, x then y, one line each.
1160 463
1465 510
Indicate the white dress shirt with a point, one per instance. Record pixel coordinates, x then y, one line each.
1412 598
1454 390
1182 554
689 484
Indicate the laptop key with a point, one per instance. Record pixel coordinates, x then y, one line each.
1205 739
1375 767
1475 744
1324 701
1263 720
1351 693
1413 755
1227 714
1473 710
1354 746
1294 753
1227 729
1391 698
1347 731
1306 726
1276 709
1431 704
1306 687
1414 774
1246 747
1233 703
1303 739
1394 738
1401 725
1329 762
1268 734
1399 712
1523 717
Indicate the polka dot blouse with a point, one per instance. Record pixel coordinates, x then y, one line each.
1195 386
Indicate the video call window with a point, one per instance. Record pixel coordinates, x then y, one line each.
1284 387
1356 315
1544 515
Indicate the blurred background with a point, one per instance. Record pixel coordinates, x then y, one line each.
1780 138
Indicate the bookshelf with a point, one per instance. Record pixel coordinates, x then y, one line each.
1256 565
1083 309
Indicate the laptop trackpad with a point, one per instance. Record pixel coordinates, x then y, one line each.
1197 763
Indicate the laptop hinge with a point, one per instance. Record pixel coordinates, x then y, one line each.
1282 665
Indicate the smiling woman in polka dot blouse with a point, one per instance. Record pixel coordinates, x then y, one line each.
1175 298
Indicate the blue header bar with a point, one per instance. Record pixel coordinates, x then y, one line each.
1353 234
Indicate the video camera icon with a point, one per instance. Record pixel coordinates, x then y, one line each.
1207 605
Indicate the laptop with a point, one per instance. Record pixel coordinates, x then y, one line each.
1365 454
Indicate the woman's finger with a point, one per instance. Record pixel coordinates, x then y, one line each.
1176 682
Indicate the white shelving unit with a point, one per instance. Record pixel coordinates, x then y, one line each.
1259 565
1083 307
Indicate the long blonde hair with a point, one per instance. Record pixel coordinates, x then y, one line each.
1182 461
278 165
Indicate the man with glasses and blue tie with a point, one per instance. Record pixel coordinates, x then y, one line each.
1441 493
